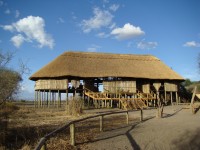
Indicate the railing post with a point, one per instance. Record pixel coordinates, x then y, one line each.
127 120
141 115
72 134
101 123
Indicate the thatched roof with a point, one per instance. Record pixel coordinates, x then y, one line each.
88 64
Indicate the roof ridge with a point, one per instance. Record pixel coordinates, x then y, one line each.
106 53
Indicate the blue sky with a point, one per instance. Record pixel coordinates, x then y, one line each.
39 31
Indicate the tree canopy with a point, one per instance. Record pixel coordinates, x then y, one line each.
9 78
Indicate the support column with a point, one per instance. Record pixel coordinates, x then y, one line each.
39 99
176 98
49 98
67 92
45 103
35 99
171 98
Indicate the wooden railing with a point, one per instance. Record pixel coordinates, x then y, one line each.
42 143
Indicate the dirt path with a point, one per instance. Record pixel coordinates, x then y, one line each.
178 130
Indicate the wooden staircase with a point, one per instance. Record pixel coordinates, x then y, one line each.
126 103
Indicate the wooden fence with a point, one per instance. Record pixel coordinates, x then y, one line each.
42 143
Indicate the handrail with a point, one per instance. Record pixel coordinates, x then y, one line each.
42 142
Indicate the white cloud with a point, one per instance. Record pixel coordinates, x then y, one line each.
32 29
18 40
8 28
101 18
114 7
192 44
146 45
17 13
127 31
93 48
7 11
102 35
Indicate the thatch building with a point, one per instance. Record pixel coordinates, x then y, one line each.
125 78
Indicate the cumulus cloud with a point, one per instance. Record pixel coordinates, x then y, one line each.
146 45
114 7
192 44
8 28
127 31
101 18
18 40
32 29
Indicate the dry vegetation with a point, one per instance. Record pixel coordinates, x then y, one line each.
24 126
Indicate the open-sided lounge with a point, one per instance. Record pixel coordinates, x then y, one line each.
126 80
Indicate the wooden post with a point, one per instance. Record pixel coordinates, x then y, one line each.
39 98
72 134
193 95
176 98
44 98
58 99
171 98
49 98
127 118
141 115
101 123
35 101
67 83
88 102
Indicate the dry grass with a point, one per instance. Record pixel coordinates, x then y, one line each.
27 125
74 106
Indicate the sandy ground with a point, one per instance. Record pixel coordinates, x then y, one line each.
179 129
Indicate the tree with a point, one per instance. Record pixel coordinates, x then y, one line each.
187 82
9 83
9 78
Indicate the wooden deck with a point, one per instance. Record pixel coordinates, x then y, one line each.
125 100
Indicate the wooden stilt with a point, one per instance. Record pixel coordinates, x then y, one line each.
45 104
176 98
54 99
39 99
171 98
49 99
165 97
67 98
